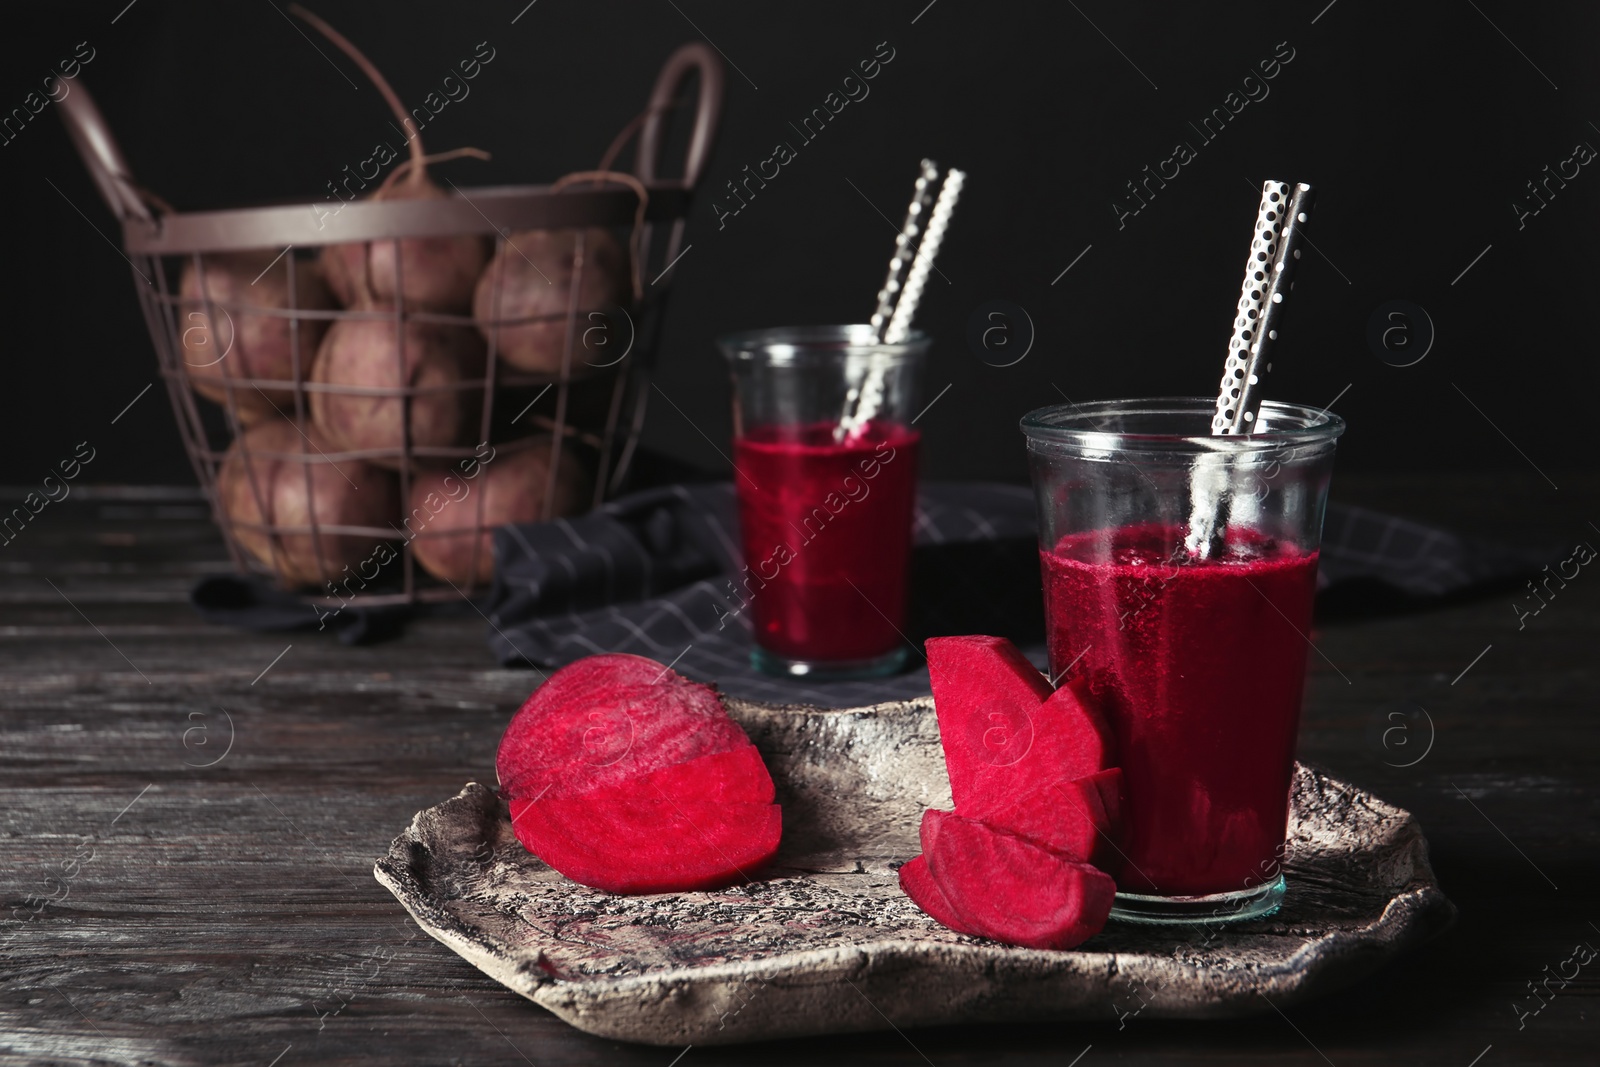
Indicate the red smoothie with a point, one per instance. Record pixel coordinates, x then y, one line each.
827 533
1200 667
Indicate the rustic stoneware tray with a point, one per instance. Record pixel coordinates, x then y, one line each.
825 942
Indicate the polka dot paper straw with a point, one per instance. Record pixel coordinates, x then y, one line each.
1269 278
904 311
1264 241
914 252
905 246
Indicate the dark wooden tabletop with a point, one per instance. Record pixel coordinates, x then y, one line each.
191 815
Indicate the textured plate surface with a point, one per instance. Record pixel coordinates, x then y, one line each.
825 941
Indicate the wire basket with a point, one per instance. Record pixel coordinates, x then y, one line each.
275 451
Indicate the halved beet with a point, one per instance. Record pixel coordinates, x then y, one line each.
1005 732
918 884
607 719
624 841
627 777
1005 887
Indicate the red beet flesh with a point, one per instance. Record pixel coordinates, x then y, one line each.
987 697
1077 739
1002 886
622 841
627 777
737 776
1069 817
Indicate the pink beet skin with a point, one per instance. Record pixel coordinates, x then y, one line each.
1002 886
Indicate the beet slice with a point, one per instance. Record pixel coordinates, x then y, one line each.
623 841
1008 888
1068 817
986 696
603 720
918 884
1005 732
1081 819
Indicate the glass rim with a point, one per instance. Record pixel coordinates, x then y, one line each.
810 344
1071 426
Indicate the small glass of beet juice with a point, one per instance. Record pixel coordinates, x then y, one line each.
1179 570
825 499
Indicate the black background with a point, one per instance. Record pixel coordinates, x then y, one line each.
1419 123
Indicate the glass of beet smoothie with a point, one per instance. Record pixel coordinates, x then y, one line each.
825 510
1194 647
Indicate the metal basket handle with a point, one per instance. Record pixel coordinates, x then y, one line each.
100 153
694 56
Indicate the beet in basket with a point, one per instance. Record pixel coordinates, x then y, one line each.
365 392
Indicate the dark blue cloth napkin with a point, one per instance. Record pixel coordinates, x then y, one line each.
656 573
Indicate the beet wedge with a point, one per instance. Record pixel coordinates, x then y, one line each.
1007 888
607 719
986 696
918 884
625 842
1005 732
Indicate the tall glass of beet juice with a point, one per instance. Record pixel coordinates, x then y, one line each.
1194 647
825 509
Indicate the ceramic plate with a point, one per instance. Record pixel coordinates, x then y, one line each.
825 941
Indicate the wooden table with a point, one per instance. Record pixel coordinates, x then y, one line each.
191 815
